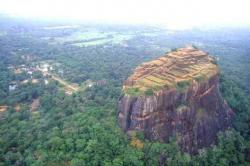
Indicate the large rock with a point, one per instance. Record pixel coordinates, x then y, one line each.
176 95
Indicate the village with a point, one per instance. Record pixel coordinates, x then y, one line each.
43 72
48 74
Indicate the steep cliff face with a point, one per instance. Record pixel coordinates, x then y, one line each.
176 95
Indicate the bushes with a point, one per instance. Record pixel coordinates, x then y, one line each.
200 78
133 91
182 85
149 92
137 92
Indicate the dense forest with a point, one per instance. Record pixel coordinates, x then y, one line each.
81 128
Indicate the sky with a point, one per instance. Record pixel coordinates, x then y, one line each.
170 13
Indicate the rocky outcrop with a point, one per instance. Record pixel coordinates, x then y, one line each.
176 95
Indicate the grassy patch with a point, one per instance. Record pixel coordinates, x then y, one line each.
182 85
138 92
200 78
133 91
149 92
157 87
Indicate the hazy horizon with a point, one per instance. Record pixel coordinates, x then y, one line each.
171 14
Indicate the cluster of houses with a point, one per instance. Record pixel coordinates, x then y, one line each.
46 69
43 67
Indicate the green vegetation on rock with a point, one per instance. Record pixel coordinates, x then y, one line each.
149 92
200 78
182 85
133 91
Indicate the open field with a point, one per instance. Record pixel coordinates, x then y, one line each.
91 37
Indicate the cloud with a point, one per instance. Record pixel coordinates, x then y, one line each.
175 13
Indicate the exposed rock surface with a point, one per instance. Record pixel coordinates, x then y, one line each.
176 94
